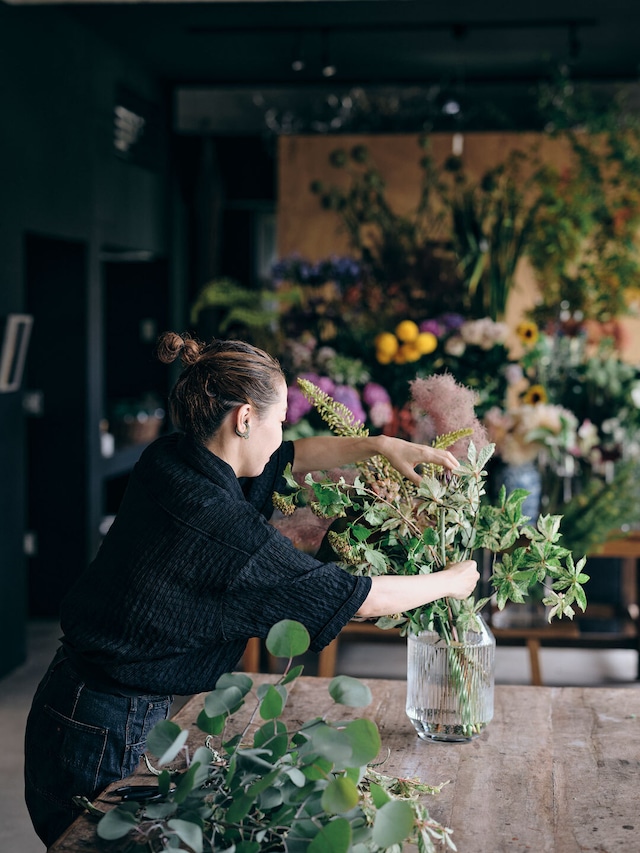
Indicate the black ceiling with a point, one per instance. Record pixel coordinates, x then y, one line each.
488 56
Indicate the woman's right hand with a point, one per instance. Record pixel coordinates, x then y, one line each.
462 578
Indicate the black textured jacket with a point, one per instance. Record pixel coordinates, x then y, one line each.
190 570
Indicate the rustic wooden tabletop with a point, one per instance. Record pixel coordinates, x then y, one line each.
557 770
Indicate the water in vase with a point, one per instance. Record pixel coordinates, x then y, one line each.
450 686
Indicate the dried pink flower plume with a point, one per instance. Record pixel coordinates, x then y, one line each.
448 406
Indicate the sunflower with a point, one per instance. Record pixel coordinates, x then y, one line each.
534 395
528 332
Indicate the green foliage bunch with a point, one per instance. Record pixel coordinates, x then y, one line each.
402 251
584 247
268 787
383 527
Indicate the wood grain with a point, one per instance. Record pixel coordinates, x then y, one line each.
556 771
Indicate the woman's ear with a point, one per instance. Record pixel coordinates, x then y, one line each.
243 418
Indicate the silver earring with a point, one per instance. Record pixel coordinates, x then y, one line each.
244 434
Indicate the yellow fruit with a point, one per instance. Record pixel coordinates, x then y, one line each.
407 331
383 358
386 345
426 342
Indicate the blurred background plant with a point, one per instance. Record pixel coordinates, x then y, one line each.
406 253
591 470
584 246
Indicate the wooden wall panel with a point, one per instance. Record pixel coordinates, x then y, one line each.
306 228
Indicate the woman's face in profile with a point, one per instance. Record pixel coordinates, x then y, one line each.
266 434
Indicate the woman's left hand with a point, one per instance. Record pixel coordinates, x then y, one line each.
405 456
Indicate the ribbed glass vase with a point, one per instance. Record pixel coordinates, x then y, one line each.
450 685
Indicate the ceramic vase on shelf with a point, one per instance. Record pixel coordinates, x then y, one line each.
450 686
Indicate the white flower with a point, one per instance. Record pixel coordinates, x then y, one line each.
484 333
455 346
635 395
513 373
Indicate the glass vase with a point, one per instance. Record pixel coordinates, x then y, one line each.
450 685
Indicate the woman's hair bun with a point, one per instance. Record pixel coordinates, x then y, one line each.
171 345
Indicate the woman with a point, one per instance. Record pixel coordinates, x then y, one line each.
191 569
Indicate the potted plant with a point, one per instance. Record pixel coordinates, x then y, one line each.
387 525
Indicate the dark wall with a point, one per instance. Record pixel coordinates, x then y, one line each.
60 179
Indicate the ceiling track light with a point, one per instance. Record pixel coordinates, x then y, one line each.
297 57
328 68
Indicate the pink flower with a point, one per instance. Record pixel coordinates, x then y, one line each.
373 393
381 413
297 405
449 406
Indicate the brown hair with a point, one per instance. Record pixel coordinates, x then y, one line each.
217 377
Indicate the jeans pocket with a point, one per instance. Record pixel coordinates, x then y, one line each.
69 759
150 712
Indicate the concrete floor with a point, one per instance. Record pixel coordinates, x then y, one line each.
576 667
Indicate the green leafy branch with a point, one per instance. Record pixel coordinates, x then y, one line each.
311 788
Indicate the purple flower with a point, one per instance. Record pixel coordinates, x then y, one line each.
434 326
297 405
373 393
350 398
324 383
452 321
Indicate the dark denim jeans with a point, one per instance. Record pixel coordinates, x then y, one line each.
78 740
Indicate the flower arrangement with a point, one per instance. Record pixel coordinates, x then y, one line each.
475 352
524 433
332 299
261 785
346 379
394 527
586 402
384 524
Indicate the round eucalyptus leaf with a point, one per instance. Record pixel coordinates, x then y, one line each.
235 679
203 756
226 700
393 823
287 638
349 691
116 824
272 703
159 811
364 739
211 725
166 739
272 736
335 837
190 833
247 846
293 673
340 796
328 743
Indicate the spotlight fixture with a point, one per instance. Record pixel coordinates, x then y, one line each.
328 67
297 58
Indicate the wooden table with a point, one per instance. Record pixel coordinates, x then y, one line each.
557 770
